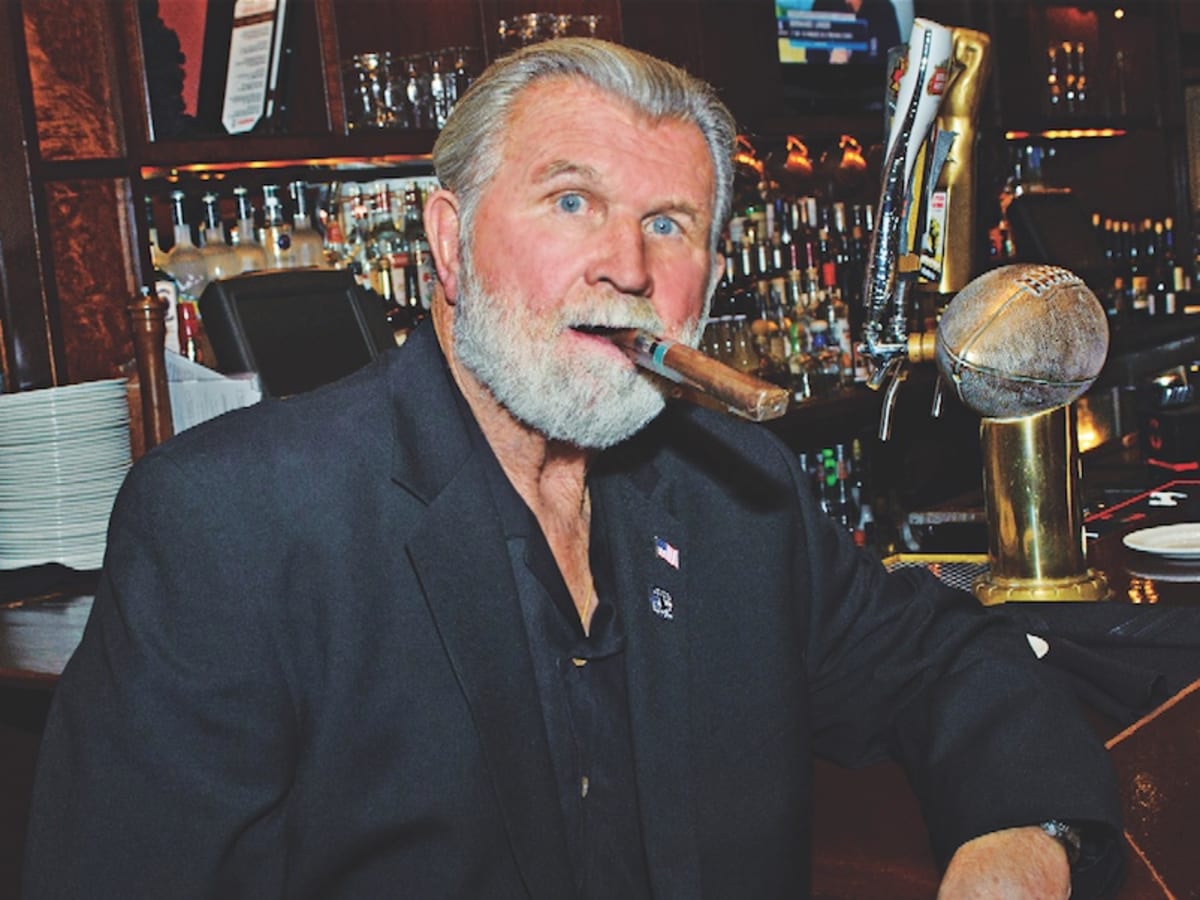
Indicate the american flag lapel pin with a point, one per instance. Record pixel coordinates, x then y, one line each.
667 552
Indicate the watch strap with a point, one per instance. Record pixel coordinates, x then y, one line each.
1067 835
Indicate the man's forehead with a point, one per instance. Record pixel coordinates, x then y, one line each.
544 98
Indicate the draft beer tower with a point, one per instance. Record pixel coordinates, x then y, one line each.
1016 344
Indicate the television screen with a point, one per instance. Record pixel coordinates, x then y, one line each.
850 32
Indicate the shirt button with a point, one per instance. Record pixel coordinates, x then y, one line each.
583 786
579 663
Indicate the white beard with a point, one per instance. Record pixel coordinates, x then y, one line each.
586 399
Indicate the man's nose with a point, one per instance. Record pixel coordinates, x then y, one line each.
622 261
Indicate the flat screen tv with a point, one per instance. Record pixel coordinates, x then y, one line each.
834 52
298 329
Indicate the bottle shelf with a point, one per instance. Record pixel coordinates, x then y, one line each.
363 149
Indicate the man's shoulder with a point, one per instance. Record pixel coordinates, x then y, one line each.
685 426
341 409
697 444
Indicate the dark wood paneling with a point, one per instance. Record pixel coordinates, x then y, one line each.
73 72
92 240
411 26
331 66
22 295
669 29
742 58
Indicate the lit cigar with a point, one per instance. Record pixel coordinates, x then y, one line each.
744 395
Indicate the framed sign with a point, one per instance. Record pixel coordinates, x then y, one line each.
240 82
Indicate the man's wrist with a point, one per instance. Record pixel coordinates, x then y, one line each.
1067 835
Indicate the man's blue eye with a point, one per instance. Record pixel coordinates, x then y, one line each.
663 225
571 203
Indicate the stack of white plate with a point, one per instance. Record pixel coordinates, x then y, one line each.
63 454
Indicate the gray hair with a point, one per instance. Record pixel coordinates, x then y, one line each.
468 151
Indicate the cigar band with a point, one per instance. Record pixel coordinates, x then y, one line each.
658 354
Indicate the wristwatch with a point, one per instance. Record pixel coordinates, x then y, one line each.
1067 835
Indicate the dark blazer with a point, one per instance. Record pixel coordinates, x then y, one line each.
306 673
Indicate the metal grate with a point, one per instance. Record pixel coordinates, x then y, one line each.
956 571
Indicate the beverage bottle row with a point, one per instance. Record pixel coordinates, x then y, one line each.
839 478
1068 91
1148 278
283 240
374 230
377 231
217 249
786 306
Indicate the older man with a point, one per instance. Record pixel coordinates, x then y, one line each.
490 619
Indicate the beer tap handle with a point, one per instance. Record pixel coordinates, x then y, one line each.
899 374
939 394
891 264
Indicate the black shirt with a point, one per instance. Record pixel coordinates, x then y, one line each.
582 687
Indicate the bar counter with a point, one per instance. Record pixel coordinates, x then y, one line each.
1132 655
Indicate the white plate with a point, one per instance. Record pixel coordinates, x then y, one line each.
1180 541
69 395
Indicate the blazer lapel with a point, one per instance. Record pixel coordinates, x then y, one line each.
461 560
656 614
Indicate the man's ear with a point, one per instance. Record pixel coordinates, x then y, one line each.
441 227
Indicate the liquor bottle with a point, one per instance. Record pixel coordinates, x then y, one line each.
193 340
461 78
1070 96
743 357
166 288
1139 279
850 261
416 91
1152 265
335 244
307 244
158 258
351 212
440 98
1180 280
277 232
782 218
185 262
837 315
832 501
1053 85
860 494
251 255
718 336
810 257
1162 284
1081 78
844 513
221 259
421 274
387 262
826 373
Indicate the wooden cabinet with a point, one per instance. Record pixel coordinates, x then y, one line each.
1132 76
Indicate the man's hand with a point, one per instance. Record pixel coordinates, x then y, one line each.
1014 864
